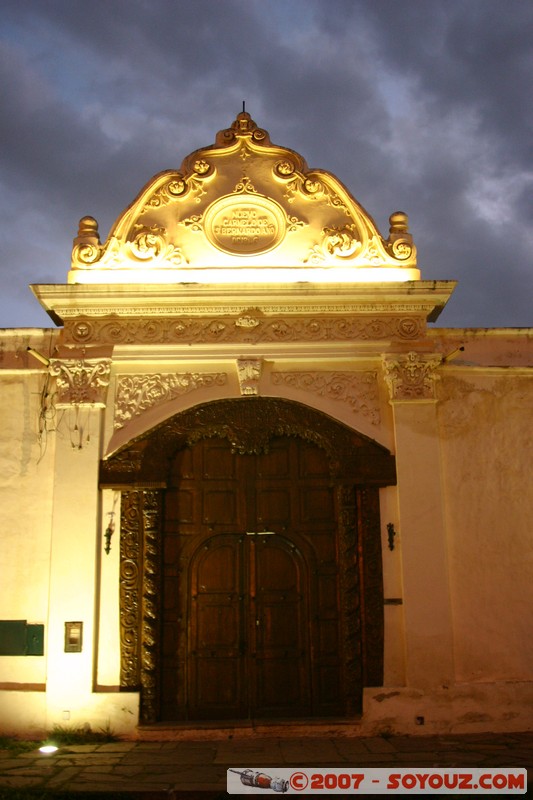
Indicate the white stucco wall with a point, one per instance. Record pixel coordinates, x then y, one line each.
487 446
26 492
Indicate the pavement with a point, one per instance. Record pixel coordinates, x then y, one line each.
186 769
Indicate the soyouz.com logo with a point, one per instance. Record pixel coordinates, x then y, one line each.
412 780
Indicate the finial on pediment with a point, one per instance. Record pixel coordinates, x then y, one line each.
243 126
399 223
400 241
86 248
244 123
87 231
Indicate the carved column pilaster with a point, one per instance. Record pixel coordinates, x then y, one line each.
150 605
139 595
411 376
411 380
81 381
130 587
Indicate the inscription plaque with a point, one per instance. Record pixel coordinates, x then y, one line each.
245 225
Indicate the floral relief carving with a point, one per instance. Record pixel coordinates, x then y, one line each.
411 376
249 370
137 393
244 186
150 244
81 381
178 186
194 223
243 327
256 421
173 189
308 185
342 242
246 321
358 390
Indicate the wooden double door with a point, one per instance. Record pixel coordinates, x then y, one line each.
251 619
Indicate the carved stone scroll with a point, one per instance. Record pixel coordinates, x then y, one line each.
137 393
357 390
81 381
411 376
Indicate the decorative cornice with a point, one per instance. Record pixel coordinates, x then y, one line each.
81 381
358 390
87 302
127 313
411 376
137 393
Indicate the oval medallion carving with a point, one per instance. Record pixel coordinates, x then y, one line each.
245 226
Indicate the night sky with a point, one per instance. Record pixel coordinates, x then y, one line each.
424 106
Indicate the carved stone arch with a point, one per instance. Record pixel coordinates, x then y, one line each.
358 466
249 424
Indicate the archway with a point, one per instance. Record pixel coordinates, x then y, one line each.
329 577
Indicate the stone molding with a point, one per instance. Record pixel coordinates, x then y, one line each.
81 381
359 390
137 393
411 376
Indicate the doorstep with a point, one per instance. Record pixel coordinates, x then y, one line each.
184 730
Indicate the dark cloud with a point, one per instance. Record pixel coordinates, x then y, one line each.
423 106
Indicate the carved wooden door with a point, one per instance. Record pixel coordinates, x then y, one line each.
251 620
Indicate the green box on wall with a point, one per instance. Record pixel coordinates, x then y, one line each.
17 638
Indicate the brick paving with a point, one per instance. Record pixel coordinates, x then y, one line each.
182 768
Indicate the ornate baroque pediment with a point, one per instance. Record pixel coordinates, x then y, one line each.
242 202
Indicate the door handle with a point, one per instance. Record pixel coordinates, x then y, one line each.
260 533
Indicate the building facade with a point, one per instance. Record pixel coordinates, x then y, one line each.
243 479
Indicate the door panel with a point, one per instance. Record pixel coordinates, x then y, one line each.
282 658
216 668
251 622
